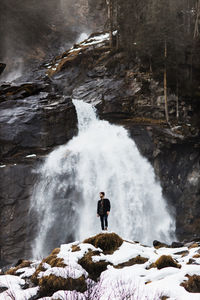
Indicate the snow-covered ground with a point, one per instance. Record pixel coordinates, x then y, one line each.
138 281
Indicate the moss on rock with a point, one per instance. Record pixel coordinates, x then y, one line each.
51 284
23 264
133 261
108 242
94 269
193 284
166 261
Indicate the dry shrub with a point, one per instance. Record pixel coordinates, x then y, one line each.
75 248
34 277
51 284
108 242
166 261
133 261
52 260
23 264
55 251
196 255
195 245
193 284
94 269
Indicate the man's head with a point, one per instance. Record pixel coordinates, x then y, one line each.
102 194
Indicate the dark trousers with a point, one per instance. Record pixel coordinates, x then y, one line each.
104 219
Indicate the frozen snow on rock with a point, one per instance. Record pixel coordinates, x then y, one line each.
82 37
11 280
96 39
31 155
19 294
15 291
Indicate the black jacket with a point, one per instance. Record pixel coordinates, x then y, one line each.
102 209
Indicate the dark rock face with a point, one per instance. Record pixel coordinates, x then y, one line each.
2 67
16 183
33 120
39 115
176 161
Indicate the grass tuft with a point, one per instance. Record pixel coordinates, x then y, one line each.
108 242
94 269
193 284
51 284
23 264
166 261
133 261
52 260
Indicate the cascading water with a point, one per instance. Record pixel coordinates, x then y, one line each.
101 158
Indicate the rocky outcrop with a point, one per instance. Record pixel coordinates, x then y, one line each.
34 118
39 115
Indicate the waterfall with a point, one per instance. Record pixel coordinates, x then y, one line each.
102 157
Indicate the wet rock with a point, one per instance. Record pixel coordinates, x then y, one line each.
35 122
34 118
158 244
2 67
177 245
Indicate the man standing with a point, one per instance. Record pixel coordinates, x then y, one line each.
103 210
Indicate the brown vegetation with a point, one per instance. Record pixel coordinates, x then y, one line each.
193 284
75 248
94 269
133 261
195 245
23 264
165 261
52 260
108 242
50 284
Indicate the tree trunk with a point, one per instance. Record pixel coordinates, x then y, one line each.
196 28
165 84
110 20
177 102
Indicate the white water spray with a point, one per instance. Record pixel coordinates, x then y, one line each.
101 158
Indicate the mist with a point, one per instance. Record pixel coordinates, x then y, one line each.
32 31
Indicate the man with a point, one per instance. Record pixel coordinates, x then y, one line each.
103 210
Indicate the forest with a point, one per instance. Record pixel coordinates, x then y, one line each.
164 38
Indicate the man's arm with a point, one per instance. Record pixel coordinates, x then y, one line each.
108 206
